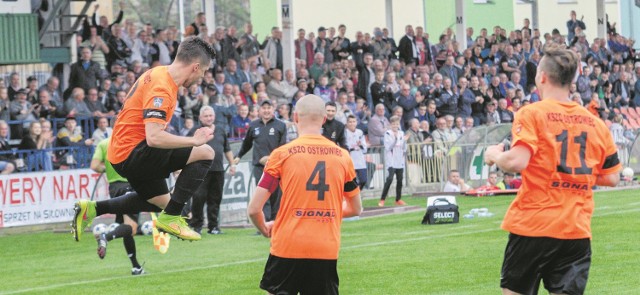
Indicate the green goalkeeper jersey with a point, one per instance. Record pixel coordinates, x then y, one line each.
101 154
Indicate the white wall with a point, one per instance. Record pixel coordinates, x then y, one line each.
553 15
20 6
358 15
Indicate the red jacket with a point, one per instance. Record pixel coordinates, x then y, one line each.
309 48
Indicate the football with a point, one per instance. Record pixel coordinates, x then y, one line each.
112 227
627 173
147 228
99 229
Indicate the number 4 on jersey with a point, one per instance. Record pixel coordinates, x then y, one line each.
321 187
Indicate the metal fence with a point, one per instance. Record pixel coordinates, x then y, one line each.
49 159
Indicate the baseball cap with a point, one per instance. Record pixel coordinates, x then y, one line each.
266 101
322 29
22 91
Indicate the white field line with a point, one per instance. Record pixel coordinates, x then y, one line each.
472 232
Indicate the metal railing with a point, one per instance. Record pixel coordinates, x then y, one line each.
49 159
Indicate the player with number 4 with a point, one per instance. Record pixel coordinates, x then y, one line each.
319 188
562 151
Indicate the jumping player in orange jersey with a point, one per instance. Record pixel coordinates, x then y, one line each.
562 151
319 188
143 152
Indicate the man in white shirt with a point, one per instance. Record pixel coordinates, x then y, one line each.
455 184
357 145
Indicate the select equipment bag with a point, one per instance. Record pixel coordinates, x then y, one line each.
441 211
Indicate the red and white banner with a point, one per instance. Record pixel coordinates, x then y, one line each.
47 197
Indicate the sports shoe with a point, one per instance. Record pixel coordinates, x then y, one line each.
136 271
381 203
85 212
400 203
102 245
215 231
177 226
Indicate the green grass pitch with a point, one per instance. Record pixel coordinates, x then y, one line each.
391 254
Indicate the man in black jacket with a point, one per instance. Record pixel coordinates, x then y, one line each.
366 76
332 128
264 135
380 93
118 49
85 73
407 47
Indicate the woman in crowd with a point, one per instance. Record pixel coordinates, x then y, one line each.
37 140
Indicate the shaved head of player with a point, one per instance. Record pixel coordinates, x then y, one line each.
562 151
310 114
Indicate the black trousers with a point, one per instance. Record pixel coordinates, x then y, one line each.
272 205
210 192
387 183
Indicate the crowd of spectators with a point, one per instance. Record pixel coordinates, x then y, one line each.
435 87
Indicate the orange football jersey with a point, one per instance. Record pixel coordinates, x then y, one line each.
152 98
569 148
315 174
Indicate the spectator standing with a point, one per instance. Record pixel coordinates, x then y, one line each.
14 86
99 48
366 75
85 73
225 107
5 105
391 41
409 52
230 46
340 45
272 49
574 23
378 125
357 145
250 47
118 49
323 45
422 43
194 28
304 48
447 103
395 146
409 103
